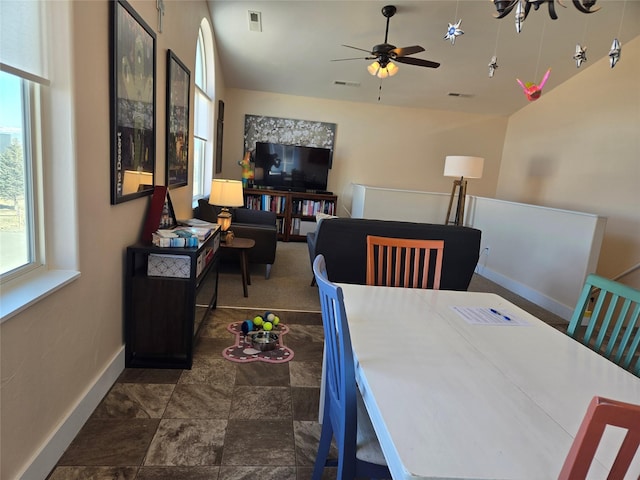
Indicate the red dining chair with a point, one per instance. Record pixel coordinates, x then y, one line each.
600 413
404 262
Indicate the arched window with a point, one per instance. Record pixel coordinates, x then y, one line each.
204 108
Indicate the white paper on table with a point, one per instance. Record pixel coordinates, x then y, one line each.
489 316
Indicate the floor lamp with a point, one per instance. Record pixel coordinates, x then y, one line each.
461 167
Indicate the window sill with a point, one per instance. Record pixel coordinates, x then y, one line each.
22 293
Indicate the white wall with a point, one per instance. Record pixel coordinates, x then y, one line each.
543 254
578 147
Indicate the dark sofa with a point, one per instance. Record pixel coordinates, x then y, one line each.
343 242
246 223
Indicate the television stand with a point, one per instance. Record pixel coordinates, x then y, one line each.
320 192
295 211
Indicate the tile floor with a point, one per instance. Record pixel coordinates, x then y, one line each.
218 421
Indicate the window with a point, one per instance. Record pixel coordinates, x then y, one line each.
203 121
17 232
37 255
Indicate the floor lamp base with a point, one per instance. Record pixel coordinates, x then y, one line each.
461 186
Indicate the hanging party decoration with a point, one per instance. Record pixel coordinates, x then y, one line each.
504 7
493 65
614 53
580 55
531 90
520 15
453 31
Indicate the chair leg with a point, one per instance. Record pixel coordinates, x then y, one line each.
313 281
267 271
323 448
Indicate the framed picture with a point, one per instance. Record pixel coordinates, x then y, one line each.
219 132
133 105
178 85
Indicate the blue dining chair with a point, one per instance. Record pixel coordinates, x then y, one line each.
345 416
613 327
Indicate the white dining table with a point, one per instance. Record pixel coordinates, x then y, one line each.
454 392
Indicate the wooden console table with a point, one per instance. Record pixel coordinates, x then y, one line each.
164 288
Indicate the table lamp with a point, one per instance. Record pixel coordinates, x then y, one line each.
225 194
461 167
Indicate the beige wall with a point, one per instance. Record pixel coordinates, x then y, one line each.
578 148
53 352
377 144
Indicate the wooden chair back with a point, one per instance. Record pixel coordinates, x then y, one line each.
613 327
404 262
600 413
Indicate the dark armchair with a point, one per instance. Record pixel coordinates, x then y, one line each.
257 225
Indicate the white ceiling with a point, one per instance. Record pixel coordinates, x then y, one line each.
293 53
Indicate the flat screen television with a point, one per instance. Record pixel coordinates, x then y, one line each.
291 167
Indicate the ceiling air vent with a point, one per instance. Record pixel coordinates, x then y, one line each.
345 83
255 21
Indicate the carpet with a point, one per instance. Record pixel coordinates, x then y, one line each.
243 352
288 287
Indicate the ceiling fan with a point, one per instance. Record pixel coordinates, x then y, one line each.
385 54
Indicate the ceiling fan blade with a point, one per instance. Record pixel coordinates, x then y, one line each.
403 52
354 58
356 48
417 61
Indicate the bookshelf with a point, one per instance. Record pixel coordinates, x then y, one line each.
295 211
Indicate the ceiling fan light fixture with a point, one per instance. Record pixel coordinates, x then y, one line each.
389 70
392 69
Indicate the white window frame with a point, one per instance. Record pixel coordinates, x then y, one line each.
52 151
30 100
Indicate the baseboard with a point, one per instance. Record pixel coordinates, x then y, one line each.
46 458
543 301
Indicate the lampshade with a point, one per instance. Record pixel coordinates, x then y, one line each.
462 166
389 70
226 193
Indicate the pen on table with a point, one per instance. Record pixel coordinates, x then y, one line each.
493 310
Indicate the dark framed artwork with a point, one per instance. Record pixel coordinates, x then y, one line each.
288 131
133 105
178 89
219 133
